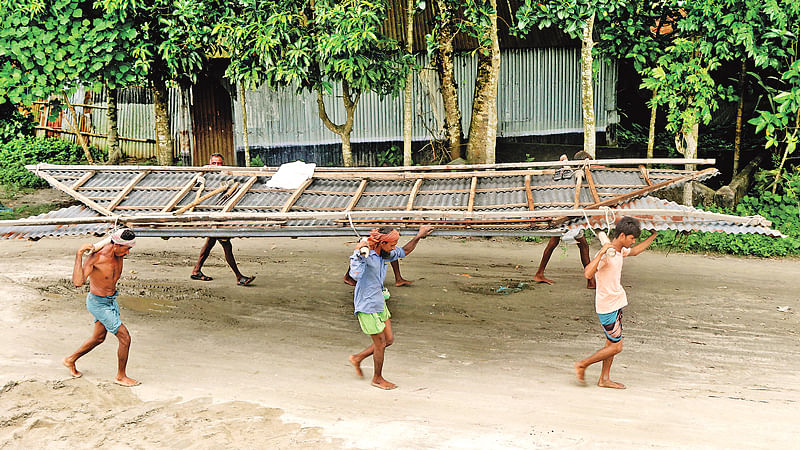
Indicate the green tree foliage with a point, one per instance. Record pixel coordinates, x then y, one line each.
13 123
771 38
311 45
48 48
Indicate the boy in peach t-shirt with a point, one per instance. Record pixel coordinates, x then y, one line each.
610 297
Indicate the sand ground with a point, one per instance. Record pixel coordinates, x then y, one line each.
483 356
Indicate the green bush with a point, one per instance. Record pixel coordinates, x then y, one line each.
256 161
19 152
781 208
14 124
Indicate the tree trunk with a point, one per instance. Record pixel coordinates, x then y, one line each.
407 116
163 137
686 144
242 100
445 69
587 89
483 125
77 131
737 144
186 132
114 154
651 134
345 129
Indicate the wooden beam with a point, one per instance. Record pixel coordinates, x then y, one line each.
528 192
83 179
239 195
592 187
357 195
121 196
472 188
297 193
413 195
578 184
645 175
197 201
78 196
177 198
641 192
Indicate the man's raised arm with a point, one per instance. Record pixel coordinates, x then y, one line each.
423 232
81 270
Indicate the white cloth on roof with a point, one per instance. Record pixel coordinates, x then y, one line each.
291 175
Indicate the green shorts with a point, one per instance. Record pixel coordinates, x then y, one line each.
373 323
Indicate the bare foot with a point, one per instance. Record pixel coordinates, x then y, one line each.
72 370
610 384
126 381
542 279
350 281
402 282
357 365
383 384
590 284
580 372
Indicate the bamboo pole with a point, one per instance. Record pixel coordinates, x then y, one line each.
201 199
78 135
182 193
528 192
413 195
244 190
498 216
357 196
293 198
268 171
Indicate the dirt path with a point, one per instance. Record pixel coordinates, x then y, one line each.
483 357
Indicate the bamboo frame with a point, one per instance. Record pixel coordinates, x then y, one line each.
646 177
413 195
82 180
239 195
356 196
78 196
203 198
592 187
121 196
293 198
473 186
529 193
182 193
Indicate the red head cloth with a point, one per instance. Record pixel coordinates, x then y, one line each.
377 238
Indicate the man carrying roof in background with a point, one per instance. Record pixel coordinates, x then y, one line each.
197 273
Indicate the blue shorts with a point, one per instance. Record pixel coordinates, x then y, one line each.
105 310
612 325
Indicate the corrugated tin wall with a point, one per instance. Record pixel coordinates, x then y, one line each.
538 93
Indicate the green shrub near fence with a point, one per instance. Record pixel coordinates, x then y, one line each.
18 153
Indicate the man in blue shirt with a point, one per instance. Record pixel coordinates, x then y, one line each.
369 271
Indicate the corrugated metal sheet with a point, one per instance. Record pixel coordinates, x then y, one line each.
36 232
538 93
472 202
676 217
